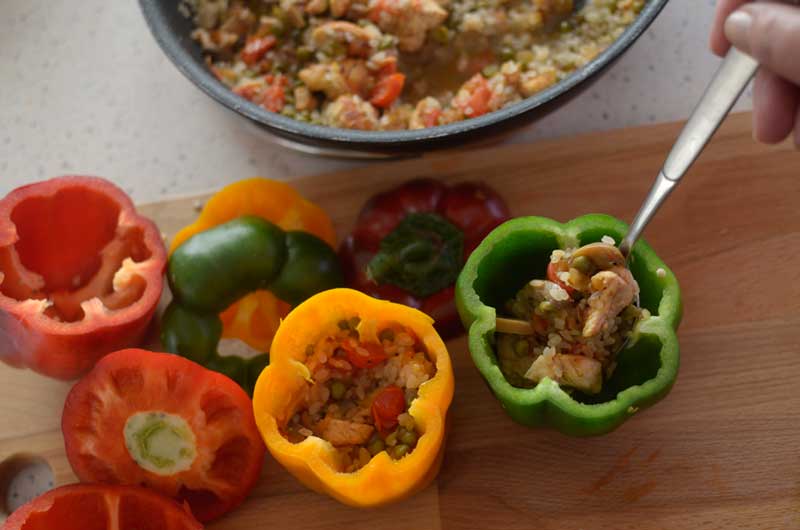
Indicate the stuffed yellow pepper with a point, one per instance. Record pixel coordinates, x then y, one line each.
354 400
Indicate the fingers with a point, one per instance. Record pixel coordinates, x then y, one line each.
775 107
771 34
719 42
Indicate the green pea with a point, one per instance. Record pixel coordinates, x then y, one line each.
565 27
386 42
521 348
545 306
408 438
338 390
304 53
391 440
375 446
582 264
489 70
400 451
507 54
441 35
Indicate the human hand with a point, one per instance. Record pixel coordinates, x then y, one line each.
770 33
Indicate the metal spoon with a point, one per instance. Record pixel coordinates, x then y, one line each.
729 82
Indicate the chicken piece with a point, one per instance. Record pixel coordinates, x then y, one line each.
533 82
325 77
295 12
339 7
409 20
355 39
343 432
426 114
239 20
316 7
351 112
575 371
303 99
612 291
554 10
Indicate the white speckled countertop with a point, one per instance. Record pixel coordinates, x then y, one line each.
85 89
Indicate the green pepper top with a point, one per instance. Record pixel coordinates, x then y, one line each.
214 268
518 251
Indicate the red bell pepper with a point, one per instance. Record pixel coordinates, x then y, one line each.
162 421
410 242
101 507
80 274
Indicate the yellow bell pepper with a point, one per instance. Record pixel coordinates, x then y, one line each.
313 461
255 317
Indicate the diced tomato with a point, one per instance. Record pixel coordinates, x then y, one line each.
374 356
209 451
387 90
388 68
480 94
552 275
388 404
430 117
256 47
249 91
539 325
274 96
101 507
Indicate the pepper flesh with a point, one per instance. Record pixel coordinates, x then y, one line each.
314 460
473 208
256 316
647 367
80 274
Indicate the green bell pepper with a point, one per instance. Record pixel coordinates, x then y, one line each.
214 268
518 251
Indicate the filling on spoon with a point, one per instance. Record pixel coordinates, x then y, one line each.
569 326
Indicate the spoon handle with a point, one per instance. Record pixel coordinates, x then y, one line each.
729 82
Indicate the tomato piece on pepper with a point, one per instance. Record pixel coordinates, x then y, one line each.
387 405
162 421
387 90
81 274
101 507
552 275
364 355
474 209
256 47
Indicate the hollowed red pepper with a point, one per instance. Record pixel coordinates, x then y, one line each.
80 274
410 242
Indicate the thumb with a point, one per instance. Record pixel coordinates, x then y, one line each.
770 33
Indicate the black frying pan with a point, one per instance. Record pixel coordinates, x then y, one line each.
172 31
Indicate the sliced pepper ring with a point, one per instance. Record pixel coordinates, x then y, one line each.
314 460
647 367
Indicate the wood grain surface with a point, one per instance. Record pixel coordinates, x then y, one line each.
721 451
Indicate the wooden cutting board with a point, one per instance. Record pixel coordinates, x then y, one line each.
721 451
